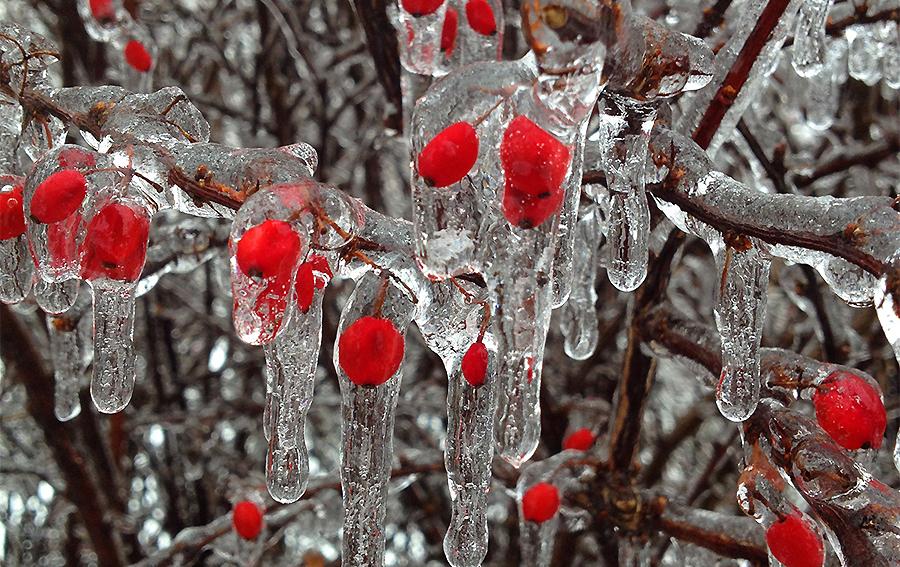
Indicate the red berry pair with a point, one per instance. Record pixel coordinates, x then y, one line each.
370 351
307 280
115 243
850 410
794 542
247 519
535 165
449 156
580 440
137 56
475 363
540 503
12 214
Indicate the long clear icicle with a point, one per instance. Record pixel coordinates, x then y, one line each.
112 383
809 39
887 306
740 313
578 317
367 431
824 94
16 269
65 350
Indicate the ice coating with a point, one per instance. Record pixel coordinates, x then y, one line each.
112 382
578 317
16 269
809 52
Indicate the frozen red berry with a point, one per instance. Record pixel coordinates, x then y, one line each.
371 351
247 519
269 249
850 410
12 214
138 56
419 8
59 196
795 543
115 243
480 16
534 165
304 286
475 363
449 156
103 10
448 31
580 440
321 270
540 502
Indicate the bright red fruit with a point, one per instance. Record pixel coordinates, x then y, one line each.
449 156
371 351
321 270
304 286
850 410
481 17
12 214
247 519
421 7
448 32
535 165
540 502
269 249
115 244
474 364
580 440
138 56
58 196
103 10
795 543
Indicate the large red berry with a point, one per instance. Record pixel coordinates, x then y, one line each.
419 8
371 351
475 363
481 17
534 165
115 244
58 196
103 10
269 249
795 543
580 440
247 519
138 56
304 286
448 31
540 502
12 214
850 410
449 156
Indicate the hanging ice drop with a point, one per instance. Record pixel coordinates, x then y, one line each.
112 382
67 368
809 39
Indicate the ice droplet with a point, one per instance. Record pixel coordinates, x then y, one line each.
67 366
578 317
809 39
56 297
864 57
824 95
112 382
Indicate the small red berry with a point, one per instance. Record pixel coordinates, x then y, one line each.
12 214
448 32
580 440
115 244
795 543
474 364
103 10
75 157
138 56
304 286
535 165
58 196
449 156
481 17
540 502
850 410
268 249
247 519
419 8
371 351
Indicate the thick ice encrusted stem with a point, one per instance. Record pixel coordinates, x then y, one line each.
368 428
291 361
740 313
112 382
578 317
16 269
65 351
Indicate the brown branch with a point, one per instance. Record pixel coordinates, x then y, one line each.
712 18
870 158
776 175
382 40
692 526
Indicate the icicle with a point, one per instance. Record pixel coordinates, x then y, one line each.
16 269
890 38
578 317
887 306
864 56
825 87
65 350
419 24
56 297
112 382
367 350
740 313
809 39
566 234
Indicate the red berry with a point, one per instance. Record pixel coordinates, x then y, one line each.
535 165
474 364
12 214
370 351
269 249
115 244
580 440
448 32
103 10
540 503
795 543
481 17
449 156
850 410
247 519
137 56
321 270
58 196
304 286
421 7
